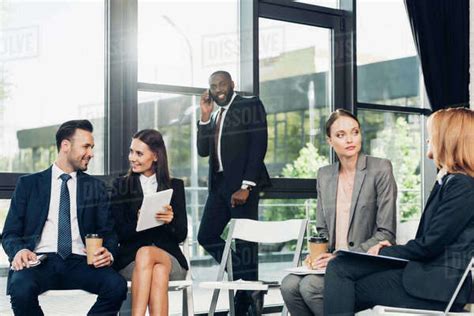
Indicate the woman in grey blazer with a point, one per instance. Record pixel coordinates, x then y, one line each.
356 209
444 242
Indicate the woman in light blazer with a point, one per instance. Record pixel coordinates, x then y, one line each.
356 209
443 245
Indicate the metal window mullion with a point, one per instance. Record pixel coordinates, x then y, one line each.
121 80
393 108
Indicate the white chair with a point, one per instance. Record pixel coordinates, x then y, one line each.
387 310
259 232
181 285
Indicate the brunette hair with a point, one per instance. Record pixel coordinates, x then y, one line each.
155 142
335 115
68 129
452 138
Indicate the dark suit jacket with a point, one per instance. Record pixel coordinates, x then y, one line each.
127 198
444 242
243 143
30 205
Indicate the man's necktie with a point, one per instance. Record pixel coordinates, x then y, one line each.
64 220
216 138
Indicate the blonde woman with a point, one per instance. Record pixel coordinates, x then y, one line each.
442 247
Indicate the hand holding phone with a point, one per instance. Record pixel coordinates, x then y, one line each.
38 261
206 105
26 259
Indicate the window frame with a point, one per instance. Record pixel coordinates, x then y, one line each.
122 86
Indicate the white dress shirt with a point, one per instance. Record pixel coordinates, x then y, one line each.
49 236
219 157
441 173
149 184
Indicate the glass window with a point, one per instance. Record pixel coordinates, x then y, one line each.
296 89
397 137
44 82
323 3
388 69
173 116
183 42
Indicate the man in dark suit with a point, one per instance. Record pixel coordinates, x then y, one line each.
235 140
51 212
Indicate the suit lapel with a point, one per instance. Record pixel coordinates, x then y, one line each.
331 193
82 192
427 212
137 186
44 183
229 116
136 192
212 137
358 181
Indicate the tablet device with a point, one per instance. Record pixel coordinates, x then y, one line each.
152 203
386 259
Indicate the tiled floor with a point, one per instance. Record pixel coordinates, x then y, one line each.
80 304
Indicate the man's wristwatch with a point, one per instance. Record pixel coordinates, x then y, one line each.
246 187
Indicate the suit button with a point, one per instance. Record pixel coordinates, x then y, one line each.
351 244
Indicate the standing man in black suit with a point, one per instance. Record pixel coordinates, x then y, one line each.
235 140
51 212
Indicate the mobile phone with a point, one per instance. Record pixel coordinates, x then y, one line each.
210 98
39 259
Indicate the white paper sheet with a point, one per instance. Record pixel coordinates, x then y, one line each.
152 204
303 270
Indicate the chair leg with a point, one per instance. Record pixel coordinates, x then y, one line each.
231 303
215 297
185 303
189 301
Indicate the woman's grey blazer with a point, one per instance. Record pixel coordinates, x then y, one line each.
373 213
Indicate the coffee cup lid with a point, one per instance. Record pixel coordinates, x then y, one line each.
318 239
92 236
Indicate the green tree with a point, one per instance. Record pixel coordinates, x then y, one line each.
400 142
305 166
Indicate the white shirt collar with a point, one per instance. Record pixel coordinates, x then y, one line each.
56 172
439 177
151 179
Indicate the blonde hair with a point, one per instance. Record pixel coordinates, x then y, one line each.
452 138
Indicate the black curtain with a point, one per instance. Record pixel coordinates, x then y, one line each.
441 32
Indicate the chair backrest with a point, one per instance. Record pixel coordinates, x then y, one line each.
469 268
267 232
262 232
